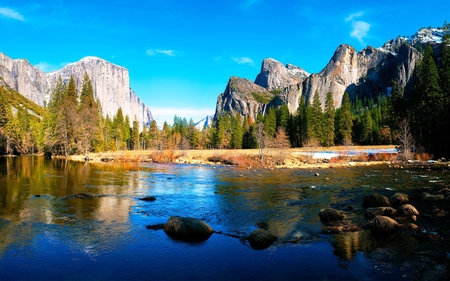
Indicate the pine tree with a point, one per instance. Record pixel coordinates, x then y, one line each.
367 128
427 103
135 134
154 135
89 118
345 121
315 125
118 129
444 78
237 132
329 120
301 123
270 122
283 117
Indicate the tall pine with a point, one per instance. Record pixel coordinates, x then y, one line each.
428 103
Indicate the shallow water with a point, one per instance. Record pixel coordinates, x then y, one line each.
45 236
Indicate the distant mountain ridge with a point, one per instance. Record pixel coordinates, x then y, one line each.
110 82
369 73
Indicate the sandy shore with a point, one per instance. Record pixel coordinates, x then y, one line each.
250 158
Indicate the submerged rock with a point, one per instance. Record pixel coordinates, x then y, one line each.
261 239
83 196
430 197
148 198
158 226
187 229
329 214
375 200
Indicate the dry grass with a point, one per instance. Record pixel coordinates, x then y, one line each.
248 158
423 156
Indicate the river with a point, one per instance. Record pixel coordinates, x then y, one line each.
48 235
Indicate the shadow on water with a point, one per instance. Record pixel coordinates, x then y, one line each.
46 224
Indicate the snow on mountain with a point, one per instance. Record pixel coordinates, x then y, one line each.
421 37
205 123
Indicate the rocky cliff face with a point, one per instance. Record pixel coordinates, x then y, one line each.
274 75
110 83
24 78
366 73
275 85
243 96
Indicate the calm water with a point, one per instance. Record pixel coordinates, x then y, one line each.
53 238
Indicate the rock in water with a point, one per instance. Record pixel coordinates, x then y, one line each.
399 199
410 210
148 198
187 229
370 213
384 224
329 214
261 239
375 200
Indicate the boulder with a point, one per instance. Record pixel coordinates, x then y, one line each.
430 197
187 229
371 213
399 199
329 215
409 210
375 200
261 239
384 224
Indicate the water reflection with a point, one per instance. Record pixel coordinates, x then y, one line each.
40 224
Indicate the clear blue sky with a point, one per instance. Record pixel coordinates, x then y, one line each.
180 54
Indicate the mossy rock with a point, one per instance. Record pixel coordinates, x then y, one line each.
187 229
330 214
261 239
375 200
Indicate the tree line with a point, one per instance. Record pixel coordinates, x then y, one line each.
73 123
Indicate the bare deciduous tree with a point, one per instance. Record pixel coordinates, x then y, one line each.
406 141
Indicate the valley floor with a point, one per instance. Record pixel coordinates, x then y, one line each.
305 157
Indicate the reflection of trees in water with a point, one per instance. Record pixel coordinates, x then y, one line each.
347 244
31 201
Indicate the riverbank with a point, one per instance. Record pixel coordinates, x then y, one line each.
339 156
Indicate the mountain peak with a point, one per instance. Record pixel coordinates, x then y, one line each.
275 75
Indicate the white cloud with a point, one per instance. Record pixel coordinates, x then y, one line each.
11 14
360 28
355 15
170 53
243 60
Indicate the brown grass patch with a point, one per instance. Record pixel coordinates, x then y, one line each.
165 156
423 156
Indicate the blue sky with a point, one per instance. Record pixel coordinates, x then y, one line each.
180 54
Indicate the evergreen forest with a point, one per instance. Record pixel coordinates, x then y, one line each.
72 121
